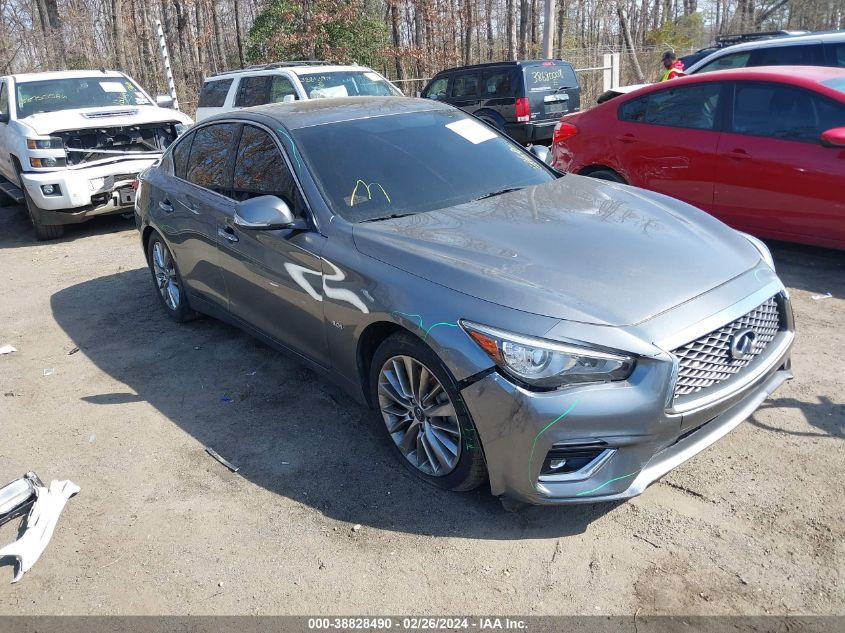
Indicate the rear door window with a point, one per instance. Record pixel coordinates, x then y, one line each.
465 85
688 107
253 91
213 94
209 162
784 112
496 83
835 55
550 78
180 155
807 55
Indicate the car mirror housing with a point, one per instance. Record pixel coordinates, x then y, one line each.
265 213
834 137
542 152
164 101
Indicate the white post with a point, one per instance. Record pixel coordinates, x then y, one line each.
615 61
549 30
607 72
165 58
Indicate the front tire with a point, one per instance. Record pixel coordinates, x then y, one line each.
42 231
424 415
167 280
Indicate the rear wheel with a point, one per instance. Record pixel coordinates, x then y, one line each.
607 174
167 280
424 415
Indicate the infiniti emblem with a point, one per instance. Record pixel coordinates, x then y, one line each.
742 344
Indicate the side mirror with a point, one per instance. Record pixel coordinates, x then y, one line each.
164 101
834 137
265 213
288 99
542 152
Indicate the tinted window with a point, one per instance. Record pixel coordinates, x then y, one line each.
280 88
208 165
687 106
180 156
438 88
259 168
784 112
465 85
496 83
546 78
4 98
413 162
214 93
253 91
785 56
835 55
726 62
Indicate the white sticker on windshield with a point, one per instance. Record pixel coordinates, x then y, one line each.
372 76
112 86
472 131
328 93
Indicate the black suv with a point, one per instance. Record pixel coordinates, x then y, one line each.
524 99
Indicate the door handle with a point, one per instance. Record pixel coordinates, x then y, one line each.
165 206
227 234
738 154
627 138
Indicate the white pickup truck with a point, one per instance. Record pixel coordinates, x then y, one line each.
72 143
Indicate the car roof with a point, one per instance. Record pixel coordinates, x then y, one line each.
65 74
822 37
303 69
805 76
311 112
513 63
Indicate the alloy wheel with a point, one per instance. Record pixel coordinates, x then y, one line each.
419 415
167 280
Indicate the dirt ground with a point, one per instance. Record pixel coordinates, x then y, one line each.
321 519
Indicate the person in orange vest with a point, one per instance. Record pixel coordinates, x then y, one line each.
674 66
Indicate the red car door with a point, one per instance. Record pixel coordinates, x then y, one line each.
775 178
666 141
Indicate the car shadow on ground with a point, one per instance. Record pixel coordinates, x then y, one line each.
289 430
17 232
825 415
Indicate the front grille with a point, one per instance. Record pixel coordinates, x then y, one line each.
113 113
707 361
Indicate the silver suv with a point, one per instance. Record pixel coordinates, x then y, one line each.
282 82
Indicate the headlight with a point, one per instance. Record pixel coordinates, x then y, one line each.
761 248
47 162
547 364
53 142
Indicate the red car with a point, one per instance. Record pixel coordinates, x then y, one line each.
762 149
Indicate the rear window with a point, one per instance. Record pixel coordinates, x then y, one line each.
549 78
213 93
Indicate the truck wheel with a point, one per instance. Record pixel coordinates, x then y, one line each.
42 231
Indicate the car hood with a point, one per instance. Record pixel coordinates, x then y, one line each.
45 123
578 249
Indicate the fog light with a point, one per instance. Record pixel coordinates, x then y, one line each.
556 464
48 190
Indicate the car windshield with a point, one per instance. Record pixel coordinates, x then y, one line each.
347 83
52 95
386 166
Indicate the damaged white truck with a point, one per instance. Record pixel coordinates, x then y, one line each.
73 142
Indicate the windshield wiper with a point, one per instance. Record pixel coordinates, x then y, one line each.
493 194
387 217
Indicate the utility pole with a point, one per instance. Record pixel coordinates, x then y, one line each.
549 29
165 58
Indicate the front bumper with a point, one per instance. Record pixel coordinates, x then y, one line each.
641 438
83 191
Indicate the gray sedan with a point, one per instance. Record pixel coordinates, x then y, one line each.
567 339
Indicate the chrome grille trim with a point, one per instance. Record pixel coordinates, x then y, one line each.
706 362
